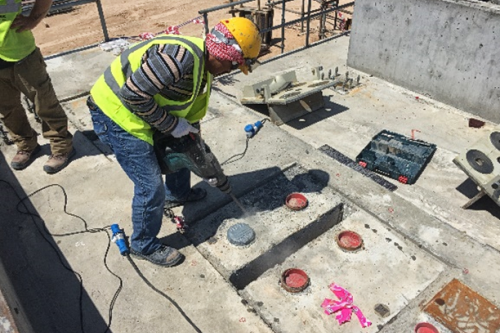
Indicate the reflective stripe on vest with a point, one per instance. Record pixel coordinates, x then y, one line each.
14 46
106 90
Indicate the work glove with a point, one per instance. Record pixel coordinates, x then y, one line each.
183 128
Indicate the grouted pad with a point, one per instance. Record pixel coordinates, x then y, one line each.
279 231
389 271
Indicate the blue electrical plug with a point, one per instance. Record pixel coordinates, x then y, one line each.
119 239
251 130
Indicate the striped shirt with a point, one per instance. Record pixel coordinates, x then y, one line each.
166 70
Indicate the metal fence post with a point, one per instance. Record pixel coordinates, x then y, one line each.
283 27
308 22
103 21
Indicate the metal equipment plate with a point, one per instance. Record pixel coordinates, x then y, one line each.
463 310
495 139
335 154
479 161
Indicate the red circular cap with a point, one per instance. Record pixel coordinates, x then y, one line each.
349 240
294 280
296 201
425 328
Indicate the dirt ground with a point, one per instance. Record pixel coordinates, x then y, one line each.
81 25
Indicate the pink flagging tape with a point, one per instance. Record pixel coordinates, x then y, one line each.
172 30
344 306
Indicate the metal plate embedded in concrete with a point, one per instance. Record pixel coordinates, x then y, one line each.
240 234
390 270
463 310
279 230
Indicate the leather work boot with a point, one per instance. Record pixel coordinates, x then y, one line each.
24 158
57 162
195 195
164 256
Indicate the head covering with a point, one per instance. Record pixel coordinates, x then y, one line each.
221 49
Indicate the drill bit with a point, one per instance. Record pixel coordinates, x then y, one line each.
238 203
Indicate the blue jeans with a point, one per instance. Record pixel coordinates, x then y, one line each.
137 158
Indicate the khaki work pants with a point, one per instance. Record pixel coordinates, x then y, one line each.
29 76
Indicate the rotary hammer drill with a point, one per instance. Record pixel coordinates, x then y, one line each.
191 152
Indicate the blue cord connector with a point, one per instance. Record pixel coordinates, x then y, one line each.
119 239
251 130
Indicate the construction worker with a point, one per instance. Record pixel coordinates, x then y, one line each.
162 86
22 70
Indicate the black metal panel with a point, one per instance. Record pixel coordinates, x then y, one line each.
495 139
479 161
353 165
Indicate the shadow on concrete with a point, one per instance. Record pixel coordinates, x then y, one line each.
43 290
329 110
469 189
268 192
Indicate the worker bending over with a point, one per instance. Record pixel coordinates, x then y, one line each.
161 87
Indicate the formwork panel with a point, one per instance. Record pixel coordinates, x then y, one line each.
386 274
279 231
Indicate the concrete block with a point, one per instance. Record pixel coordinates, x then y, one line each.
390 270
279 230
446 50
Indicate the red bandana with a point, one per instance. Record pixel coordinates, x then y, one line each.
223 51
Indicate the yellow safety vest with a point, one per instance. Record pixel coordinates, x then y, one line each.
105 90
14 46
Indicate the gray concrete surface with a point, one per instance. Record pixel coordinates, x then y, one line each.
436 239
446 49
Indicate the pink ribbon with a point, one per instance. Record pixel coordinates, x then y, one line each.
344 305
147 35
173 30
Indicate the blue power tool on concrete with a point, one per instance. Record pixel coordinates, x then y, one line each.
252 129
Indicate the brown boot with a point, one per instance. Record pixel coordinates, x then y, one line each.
57 162
24 158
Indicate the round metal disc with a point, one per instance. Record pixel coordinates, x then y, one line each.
495 139
479 161
240 234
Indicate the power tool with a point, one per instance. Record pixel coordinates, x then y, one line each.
190 151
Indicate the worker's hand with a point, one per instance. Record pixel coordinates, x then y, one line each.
183 128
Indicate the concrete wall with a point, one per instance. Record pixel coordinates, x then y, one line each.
448 50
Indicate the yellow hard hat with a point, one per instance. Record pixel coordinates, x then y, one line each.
247 35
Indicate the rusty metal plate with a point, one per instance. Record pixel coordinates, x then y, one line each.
463 310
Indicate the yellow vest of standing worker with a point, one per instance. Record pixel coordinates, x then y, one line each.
14 46
105 92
